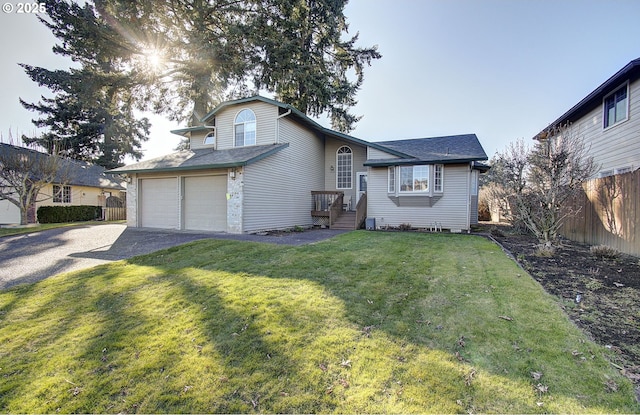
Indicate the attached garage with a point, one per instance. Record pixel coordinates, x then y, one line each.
159 203
205 203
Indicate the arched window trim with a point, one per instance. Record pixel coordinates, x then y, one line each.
344 168
244 130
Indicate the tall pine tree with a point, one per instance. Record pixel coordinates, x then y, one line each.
91 115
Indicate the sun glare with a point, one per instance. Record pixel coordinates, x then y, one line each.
154 59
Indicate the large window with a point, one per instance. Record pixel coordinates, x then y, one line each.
414 179
61 194
344 163
616 107
245 128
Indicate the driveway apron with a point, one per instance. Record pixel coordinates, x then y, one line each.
35 256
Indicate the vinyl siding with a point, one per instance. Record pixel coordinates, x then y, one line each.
619 145
277 189
375 154
330 159
450 210
266 115
197 140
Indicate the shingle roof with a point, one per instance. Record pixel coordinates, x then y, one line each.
446 150
203 159
79 173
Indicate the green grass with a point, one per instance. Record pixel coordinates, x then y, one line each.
365 322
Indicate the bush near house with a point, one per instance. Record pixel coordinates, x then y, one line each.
59 214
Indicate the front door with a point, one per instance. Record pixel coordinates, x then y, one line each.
361 185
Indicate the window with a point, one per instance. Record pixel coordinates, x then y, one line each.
392 179
61 194
344 161
438 178
245 128
209 138
615 107
414 179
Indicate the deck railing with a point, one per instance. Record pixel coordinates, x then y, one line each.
327 204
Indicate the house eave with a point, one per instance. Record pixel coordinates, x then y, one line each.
630 72
417 162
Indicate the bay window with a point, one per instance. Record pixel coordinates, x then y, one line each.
414 179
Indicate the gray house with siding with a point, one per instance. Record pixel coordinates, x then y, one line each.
257 164
608 121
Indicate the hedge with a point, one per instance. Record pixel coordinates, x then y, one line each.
59 214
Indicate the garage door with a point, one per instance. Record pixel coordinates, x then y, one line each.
205 203
159 203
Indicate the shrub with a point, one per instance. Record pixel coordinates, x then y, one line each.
603 251
59 214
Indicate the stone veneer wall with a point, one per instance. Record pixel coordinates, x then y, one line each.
234 201
132 201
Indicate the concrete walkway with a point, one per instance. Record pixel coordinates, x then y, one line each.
35 256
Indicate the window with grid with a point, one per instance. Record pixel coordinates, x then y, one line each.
438 178
344 165
245 128
392 179
616 107
414 179
61 194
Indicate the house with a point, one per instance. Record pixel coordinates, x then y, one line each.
257 164
81 183
608 120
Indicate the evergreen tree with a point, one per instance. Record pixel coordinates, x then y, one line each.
91 115
303 59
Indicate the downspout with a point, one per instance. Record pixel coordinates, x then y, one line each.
278 125
469 197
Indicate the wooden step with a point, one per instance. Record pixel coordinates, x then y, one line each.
345 221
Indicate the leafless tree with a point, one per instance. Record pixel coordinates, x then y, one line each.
24 172
539 182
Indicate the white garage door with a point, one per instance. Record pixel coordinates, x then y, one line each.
205 203
159 203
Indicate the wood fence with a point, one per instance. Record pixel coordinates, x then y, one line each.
114 213
608 213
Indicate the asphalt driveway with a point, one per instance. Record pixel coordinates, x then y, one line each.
35 256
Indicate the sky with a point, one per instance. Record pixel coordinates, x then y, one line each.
502 69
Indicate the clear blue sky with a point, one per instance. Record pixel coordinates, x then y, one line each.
503 69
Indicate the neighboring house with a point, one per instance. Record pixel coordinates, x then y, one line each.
257 164
608 120
81 183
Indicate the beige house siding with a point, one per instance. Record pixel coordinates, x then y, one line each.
451 210
615 147
374 153
331 177
277 190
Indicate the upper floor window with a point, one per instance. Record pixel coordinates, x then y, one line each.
209 138
344 163
616 107
414 179
245 128
61 194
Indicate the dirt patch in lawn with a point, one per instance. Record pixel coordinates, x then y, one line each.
600 294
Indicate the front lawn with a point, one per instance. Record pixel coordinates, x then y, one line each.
365 322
